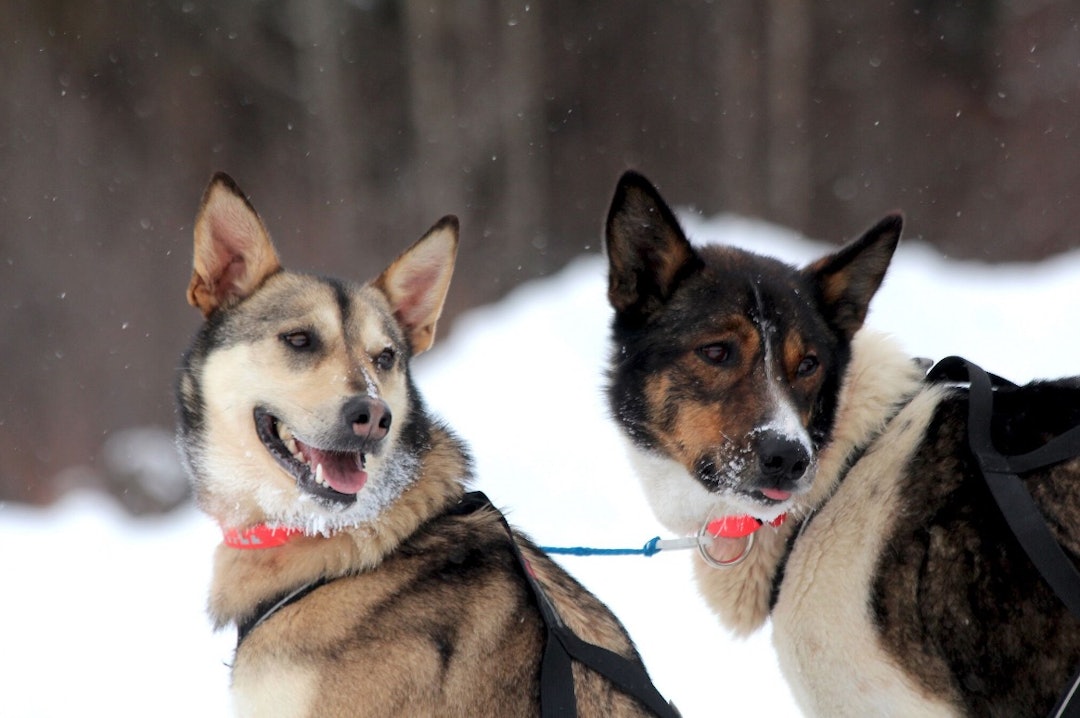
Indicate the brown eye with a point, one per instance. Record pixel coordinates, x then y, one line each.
808 365
385 360
720 353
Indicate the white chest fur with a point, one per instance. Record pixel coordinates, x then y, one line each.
273 690
824 630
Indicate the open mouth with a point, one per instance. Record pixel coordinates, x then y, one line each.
336 476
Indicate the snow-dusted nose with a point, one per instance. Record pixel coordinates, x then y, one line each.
782 460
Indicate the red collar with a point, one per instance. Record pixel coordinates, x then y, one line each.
259 536
739 526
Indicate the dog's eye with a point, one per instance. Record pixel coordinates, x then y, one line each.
808 365
720 353
298 340
385 360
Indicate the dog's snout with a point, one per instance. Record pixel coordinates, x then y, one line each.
782 460
369 418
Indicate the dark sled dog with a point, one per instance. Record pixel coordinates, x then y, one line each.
745 386
360 584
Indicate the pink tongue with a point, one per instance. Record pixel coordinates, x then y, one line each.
776 494
340 470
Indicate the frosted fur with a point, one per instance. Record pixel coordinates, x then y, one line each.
374 498
785 419
679 501
879 378
253 488
822 622
240 575
682 503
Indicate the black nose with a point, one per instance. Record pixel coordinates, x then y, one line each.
782 460
369 418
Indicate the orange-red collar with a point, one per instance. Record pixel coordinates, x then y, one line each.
739 526
259 536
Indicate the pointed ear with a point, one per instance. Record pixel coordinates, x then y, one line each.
233 253
849 278
647 251
416 282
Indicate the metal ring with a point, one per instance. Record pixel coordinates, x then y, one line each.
715 563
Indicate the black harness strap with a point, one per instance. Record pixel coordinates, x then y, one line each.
561 645
1012 497
269 608
557 699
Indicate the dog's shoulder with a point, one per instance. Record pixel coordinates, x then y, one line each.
481 541
453 597
953 567
1023 419
447 601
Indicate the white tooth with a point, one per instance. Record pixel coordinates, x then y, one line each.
284 432
290 444
318 475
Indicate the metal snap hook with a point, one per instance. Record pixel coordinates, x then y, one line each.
705 540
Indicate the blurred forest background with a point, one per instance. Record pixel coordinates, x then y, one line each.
354 125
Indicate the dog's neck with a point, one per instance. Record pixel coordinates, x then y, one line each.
879 380
243 578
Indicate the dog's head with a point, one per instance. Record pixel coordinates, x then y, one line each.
296 403
726 365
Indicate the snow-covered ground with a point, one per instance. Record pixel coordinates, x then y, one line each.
103 613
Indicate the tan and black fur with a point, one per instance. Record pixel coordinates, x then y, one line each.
895 587
424 612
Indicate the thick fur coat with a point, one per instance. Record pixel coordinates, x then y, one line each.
298 412
895 586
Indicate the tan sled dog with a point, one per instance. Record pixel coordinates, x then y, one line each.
361 583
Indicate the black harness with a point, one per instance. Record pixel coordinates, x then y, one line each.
1000 472
561 645
268 608
1013 499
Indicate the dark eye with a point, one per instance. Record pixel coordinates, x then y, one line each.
298 339
720 353
385 360
807 366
